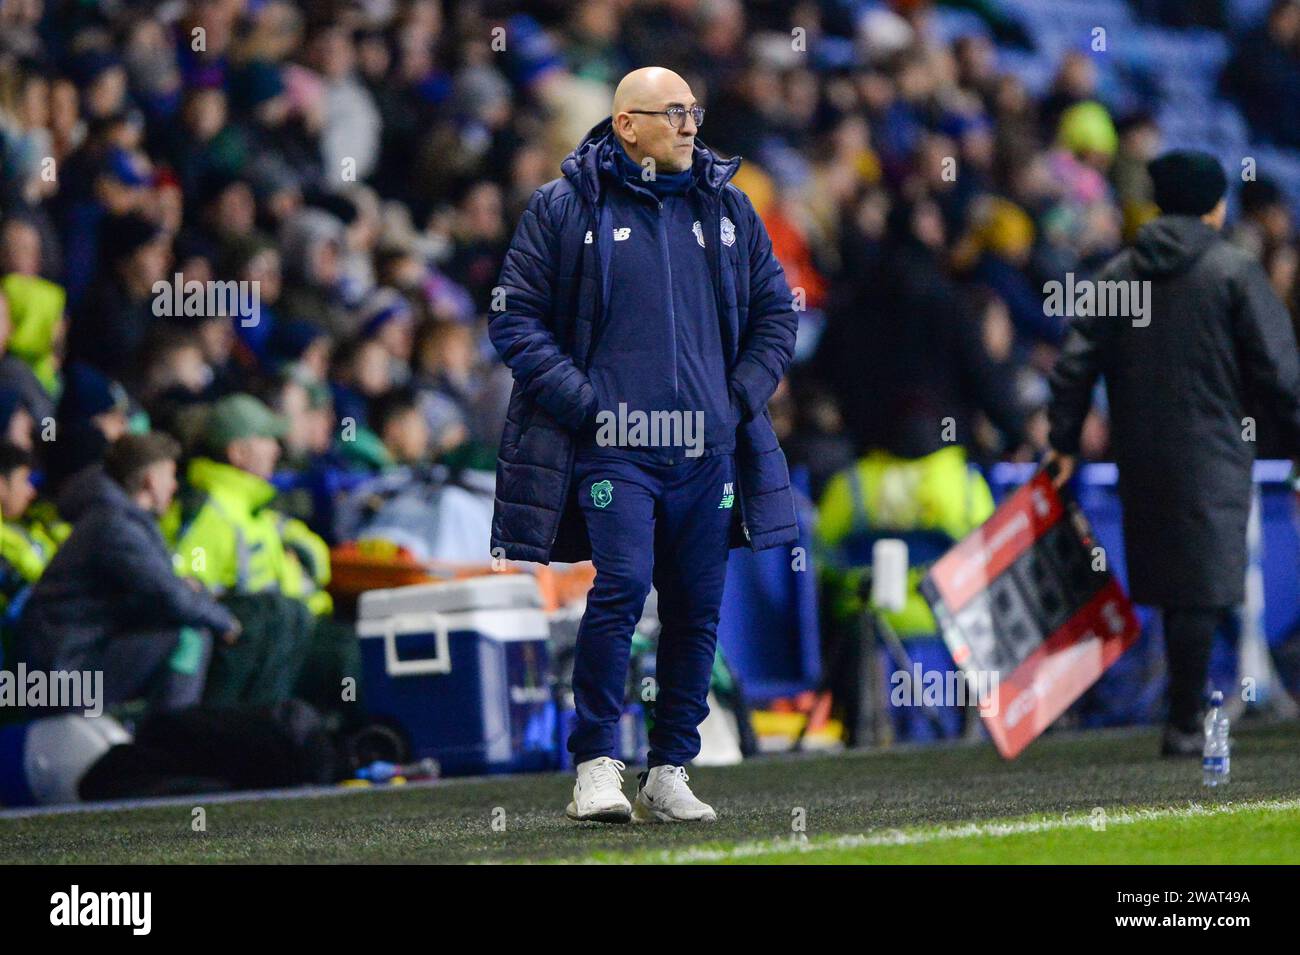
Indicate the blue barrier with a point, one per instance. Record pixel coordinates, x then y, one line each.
769 631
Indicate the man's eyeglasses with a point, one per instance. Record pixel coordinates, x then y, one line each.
676 115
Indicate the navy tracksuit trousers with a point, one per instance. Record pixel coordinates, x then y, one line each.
660 524
655 515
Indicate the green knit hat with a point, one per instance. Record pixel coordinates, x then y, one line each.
241 416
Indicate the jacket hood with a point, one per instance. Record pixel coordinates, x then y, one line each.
301 235
1171 244
230 483
583 166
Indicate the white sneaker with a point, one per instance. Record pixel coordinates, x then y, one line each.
664 797
598 793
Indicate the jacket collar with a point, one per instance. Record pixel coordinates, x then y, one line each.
583 166
230 483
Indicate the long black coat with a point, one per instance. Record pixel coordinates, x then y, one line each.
1180 389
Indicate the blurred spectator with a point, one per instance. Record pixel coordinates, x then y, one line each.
1139 142
401 427
312 247
447 383
110 326
386 317
92 413
361 372
309 421
1263 75
119 178
929 370
110 600
40 311
20 247
230 539
15 421
24 549
174 381
481 242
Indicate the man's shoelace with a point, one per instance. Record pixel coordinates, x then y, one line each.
608 773
677 779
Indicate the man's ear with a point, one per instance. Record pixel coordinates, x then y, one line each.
624 128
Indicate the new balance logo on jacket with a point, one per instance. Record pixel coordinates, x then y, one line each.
728 233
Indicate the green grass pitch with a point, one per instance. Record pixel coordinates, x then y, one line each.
1101 797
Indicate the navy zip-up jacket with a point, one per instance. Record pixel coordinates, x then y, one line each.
660 348
557 286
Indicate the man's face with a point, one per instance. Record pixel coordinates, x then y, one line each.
652 134
397 337
20 429
264 269
188 369
111 424
235 211
481 211
216 339
296 409
148 266
372 370
407 437
160 484
20 249
256 455
16 492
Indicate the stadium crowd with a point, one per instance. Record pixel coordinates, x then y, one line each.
356 169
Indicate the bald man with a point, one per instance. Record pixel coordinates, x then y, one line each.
646 323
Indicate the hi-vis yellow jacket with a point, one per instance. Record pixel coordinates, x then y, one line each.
236 543
26 547
883 494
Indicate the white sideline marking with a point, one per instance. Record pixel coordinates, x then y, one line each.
912 837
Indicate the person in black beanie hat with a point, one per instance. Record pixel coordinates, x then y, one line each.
92 414
1187 183
1178 376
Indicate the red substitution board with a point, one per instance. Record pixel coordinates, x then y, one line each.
1025 597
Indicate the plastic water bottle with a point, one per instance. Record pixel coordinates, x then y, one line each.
1216 758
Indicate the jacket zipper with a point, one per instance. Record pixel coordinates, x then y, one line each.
672 312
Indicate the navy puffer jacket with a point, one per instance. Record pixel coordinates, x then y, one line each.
555 284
